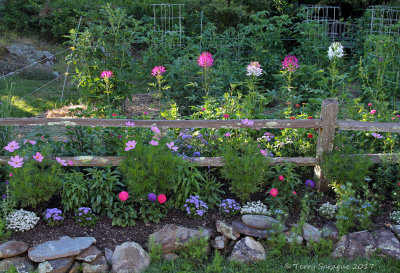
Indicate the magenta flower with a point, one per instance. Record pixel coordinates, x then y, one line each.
290 63
281 178
205 60
264 152
106 74
370 104
226 116
376 135
247 122
158 71
130 145
227 134
38 157
30 141
61 161
16 162
172 147
70 163
12 146
154 143
155 130
373 111
130 123
123 196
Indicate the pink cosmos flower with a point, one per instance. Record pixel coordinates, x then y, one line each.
247 122
123 196
294 192
12 175
227 134
70 163
273 192
158 71
16 162
154 143
61 161
226 116
172 147
30 141
38 157
281 178
106 74
290 63
203 109
155 130
373 111
130 123
369 104
12 146
205 60
145 113
393 118
130 145
398 116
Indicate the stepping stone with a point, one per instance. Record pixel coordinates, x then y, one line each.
248 250
130 257
89 255
260 221
99 265
172 237
61 265
12 248
241 228
226 230
65 247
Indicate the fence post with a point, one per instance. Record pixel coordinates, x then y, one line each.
329 112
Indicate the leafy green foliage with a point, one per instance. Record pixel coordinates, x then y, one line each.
210 190
74 191
153 211
123 215
244 168
188 183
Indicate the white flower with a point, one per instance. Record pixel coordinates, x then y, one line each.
22 220
395 216
327 210
335 50
254 69
255 208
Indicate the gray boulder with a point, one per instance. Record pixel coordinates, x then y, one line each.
356 244
248 250
226 230
129 257
12 248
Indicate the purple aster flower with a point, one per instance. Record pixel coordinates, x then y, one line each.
152 197
4 196
310 184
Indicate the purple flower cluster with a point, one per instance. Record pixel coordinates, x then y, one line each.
195 207
229 207
191 143
53 217
152 197
310 184
84 216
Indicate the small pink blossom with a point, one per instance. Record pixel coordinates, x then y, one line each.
226 116
30 141
227 134
294 192
373 111
205 60
281 178
290 63
247 122
369 104
16 162
130 123
393 118
130 145
155 130
38 157
203 109
154 143
12 146
398 116
172 147
106 74
158 71
263 152
145 113
61 161
11 174
70 163
123 196
273 192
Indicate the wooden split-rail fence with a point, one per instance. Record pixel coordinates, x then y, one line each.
327 125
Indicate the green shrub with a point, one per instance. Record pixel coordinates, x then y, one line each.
74 191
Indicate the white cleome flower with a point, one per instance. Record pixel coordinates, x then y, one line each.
335 50
254 69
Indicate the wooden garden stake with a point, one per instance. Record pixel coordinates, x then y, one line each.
329 112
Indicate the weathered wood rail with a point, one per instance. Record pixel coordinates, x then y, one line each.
327 125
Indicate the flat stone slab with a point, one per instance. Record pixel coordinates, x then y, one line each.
89 255
261 221
56 266
246 230
12 248
64 247
99 265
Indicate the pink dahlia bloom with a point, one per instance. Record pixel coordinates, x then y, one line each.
205 60
290 63
158 71
123 196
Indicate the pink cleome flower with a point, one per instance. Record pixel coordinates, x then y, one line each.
61 161
158 71
12 146
130 145
106 74
38 157
290 63
205 60
16 162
